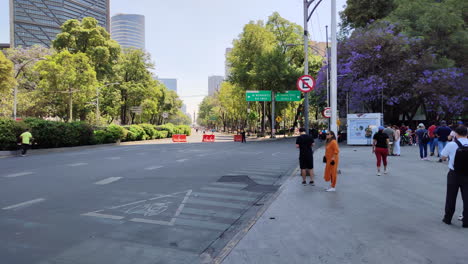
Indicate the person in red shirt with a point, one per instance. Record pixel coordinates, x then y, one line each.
433 139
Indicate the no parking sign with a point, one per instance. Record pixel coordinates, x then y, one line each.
305 83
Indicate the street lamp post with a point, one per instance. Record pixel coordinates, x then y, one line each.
98 113
307 17
334 61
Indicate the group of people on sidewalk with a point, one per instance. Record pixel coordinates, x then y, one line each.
452 146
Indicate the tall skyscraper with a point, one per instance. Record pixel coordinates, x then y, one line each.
171 84
38 21
227 67
214 83
129 30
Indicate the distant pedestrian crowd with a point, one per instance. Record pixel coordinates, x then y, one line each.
448 142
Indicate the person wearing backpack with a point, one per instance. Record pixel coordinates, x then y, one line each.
457 178
423 139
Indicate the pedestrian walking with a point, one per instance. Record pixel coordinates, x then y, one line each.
26 138
423 138
442 133
380 148
391 136
433 139
331 159
305 143
243 137
396 143
457 178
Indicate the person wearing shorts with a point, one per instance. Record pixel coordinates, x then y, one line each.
380 148
305 143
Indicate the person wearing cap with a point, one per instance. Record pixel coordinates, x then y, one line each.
457 177
442 133
423 139
380 148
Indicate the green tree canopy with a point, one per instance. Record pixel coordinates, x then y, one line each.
7 80
359 13
93 40
68 82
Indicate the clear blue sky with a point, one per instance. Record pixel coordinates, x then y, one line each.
187 38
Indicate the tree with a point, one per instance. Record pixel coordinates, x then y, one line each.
380 67
93 40
135 81
29 101
360 13
441 25
7 82
66 77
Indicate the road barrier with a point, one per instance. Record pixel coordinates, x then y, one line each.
179 138
208 138
237 138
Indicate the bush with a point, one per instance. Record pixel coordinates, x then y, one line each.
170 128
117 132
160 134
150 130
135 133
9 133
183 129
110 134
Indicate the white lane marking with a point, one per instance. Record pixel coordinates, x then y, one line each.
181 160
108 180
24 204
77 164
147 221
181 206
114 158
19 174
154 167
116 217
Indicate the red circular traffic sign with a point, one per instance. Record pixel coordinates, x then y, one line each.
327 112
305 83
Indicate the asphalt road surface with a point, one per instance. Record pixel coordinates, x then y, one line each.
138 204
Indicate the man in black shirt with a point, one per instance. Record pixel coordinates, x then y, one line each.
306 162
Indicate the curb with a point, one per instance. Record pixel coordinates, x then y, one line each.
241 234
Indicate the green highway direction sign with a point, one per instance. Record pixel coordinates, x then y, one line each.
258 96
288 96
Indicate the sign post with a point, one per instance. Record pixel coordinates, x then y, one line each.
327 112
306 84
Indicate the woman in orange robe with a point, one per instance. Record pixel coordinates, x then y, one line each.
332 158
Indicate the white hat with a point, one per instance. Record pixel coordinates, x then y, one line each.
421 125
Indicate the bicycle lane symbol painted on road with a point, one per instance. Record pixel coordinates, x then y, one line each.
161 210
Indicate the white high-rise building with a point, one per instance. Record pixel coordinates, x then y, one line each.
214 83
129 30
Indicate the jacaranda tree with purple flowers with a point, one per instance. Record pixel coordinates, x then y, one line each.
381 69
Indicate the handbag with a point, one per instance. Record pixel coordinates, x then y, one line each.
324 159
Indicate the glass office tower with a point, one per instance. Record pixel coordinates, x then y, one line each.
128 30
38 21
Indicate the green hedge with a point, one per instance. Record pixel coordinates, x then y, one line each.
52 134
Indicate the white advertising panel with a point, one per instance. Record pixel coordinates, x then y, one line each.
359 127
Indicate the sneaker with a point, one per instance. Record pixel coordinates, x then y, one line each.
312 183
304 182
378 173
440 160
385 171
460 218
331 190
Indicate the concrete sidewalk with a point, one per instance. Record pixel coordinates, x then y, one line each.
394 218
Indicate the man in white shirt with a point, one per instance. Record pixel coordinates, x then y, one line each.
457 178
